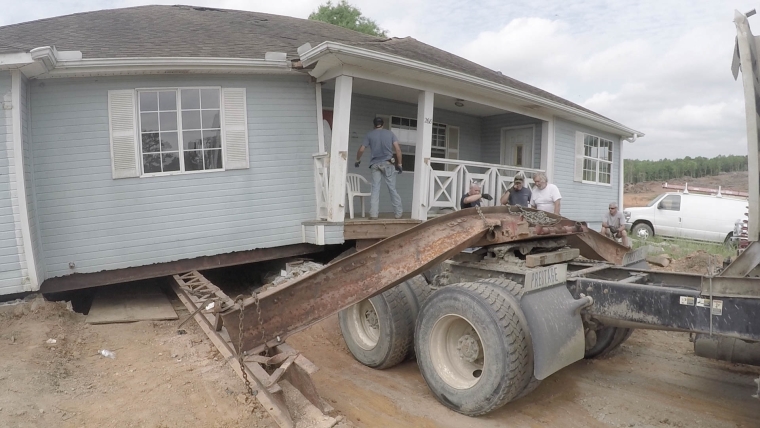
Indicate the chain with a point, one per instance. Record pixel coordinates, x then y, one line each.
239 302
533 217
483 217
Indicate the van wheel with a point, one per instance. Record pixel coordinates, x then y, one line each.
642 231
728 242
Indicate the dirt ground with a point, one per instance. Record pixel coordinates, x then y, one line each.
639 194
162 379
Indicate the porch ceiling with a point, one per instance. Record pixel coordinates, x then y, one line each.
409 95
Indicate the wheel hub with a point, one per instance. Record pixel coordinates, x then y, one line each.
370 316
468 347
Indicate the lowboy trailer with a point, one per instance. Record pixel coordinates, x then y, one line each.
491 301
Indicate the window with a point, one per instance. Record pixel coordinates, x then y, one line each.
671 203
180 130
438 146
597 160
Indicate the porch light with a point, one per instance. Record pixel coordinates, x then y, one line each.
459 103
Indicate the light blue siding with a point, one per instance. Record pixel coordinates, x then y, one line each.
12 275
492 126
581 201
97 223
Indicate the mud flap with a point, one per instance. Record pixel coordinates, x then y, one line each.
554 320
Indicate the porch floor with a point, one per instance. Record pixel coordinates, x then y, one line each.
386 225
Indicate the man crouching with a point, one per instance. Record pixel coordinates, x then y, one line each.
613 224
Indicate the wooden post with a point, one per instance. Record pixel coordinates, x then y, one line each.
336 210
425 102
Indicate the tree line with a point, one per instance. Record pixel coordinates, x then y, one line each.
637 171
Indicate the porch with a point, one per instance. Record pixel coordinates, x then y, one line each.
459 142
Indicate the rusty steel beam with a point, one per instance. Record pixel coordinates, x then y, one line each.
76 281
593 245
293 306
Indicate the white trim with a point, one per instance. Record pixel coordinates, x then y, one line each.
18 159
532 144
486 98
15 60
550 149
621 176
70 63
324 48
336 210
422 154
320 118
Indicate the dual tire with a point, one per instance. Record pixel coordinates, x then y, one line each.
379 331
473 347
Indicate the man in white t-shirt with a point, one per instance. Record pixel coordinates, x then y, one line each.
545 196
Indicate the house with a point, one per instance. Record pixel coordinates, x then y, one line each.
152 140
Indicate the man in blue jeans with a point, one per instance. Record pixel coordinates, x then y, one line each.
382 144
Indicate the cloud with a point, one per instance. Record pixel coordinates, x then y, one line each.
676 88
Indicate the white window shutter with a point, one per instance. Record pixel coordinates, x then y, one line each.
122 123
578 156
235 128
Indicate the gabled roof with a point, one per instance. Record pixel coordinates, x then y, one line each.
188 31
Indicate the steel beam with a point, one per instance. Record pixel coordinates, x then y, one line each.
293 306
748 260
670 307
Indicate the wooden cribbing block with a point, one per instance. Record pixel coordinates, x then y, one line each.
544 259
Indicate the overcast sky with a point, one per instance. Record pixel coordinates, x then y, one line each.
661 67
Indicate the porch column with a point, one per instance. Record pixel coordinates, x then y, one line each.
547 149
336 210
422 154
621 176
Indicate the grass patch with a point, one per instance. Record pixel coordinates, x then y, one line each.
680 248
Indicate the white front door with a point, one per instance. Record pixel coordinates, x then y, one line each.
517 146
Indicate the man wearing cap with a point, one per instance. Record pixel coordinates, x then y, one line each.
613 224
382 144
517 194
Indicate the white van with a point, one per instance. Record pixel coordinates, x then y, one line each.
688 216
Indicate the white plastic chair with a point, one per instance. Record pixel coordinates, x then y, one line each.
354 188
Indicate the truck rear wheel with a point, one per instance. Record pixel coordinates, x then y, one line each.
379 331
607 340
472 348
515 289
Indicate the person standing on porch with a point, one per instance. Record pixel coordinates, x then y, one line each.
382 144
545 196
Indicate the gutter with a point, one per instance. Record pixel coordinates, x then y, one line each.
311 56
54 63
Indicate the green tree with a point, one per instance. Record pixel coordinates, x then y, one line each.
344 15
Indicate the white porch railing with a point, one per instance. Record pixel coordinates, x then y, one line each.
321 185
452 181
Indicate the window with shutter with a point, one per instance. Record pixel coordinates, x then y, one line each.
179 130
593 159
121 121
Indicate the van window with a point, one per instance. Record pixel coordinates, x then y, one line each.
670 202
653 201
